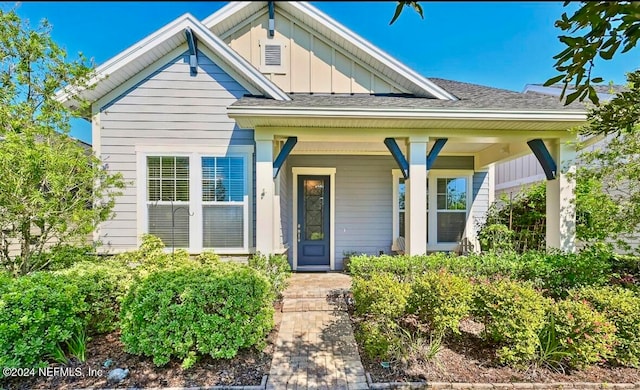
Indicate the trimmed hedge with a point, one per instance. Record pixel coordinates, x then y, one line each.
102 286
441 300
513 313
276 268
185 312
584 333
621 307
37 312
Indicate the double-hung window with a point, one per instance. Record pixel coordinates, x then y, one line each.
223 203
168 199
197 201
451 208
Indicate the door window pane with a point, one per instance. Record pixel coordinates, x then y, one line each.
314 209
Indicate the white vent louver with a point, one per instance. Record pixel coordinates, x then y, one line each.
273 55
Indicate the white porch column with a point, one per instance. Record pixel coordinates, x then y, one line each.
561 207
416 197
264 193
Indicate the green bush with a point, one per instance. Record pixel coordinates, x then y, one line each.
584 333
621 307
37 312
496 237
275 267
383 296
208 258
558 272
441 300
185 312
378 338
513 313
64 256
102 285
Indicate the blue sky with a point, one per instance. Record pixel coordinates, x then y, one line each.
499 44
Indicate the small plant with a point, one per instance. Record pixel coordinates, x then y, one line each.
550 352
77 345
276 268
497 238
58 355
413 346
378 337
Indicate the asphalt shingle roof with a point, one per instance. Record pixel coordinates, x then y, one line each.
471 96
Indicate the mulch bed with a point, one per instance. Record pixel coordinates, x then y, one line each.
468 359
246 369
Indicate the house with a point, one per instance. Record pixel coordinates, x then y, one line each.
516 174
270 127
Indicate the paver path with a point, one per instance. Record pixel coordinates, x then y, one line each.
315 348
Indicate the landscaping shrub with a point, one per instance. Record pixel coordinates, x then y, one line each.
558 272
37 312
621 307
275 267
102 285
441 300
382 296
513 313
185 312
378 338
64 256
584 333
208 258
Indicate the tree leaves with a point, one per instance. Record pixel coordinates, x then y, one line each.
401 4
597 29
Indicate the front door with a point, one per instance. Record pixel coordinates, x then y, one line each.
313 220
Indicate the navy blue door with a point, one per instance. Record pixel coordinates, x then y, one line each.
313 220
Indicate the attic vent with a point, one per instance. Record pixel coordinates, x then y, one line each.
273 55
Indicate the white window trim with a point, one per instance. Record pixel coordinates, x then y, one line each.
432 221
434 175
331 172
195 154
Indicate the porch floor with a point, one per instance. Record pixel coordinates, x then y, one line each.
315 346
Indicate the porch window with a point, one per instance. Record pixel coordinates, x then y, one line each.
168 199
223 202
451 208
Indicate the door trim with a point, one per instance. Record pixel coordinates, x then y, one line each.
331 172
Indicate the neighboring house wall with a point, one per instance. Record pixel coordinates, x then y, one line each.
310 63
512 176
169 107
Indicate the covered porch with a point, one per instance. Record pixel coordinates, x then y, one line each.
332 182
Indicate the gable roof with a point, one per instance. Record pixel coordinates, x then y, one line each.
235 13
139 56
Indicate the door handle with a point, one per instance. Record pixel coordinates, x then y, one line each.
298 232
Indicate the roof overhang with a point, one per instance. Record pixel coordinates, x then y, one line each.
235 12
398 118
136 58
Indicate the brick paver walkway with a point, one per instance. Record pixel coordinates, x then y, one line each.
315 347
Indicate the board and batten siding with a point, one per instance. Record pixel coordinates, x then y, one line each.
169 107
364 201
310 62
516 174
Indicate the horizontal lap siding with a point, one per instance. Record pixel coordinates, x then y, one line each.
170 107
363 201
